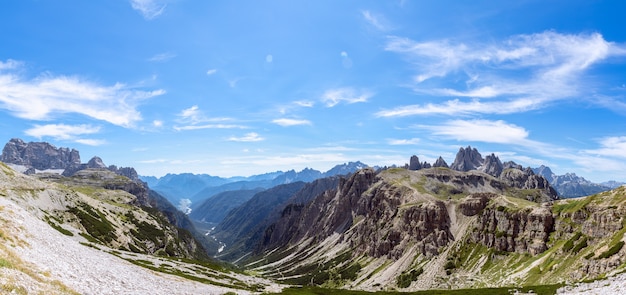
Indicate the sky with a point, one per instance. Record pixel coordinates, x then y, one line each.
246 87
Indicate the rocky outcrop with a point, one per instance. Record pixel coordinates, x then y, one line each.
521 231
467 159
475 203
414 163
441 163
384 230
526 179
38 155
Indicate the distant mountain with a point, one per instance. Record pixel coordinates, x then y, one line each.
612 184
198 188
214 209
571 185
345 169
182 186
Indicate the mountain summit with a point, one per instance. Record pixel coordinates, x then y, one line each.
38 155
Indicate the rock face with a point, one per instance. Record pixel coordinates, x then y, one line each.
38 155
492 166
526 179
414 163
467 159
441 163
522 231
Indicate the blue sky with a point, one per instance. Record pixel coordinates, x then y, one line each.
245 87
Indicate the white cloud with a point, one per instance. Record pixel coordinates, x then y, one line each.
194 119
481 130
248 137
211 72
376 21
191 115
269 58
157 123
66 132
162 57
304 103
92 142
457 107
150 9
10 64
521 73
290 122
348 95
410 141
43 97
611 147
209 126
61 131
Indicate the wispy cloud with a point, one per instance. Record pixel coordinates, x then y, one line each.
410 141
248 137
348 95
291 122
304 103
9 64
611 147
44 97
481 130
92 142
210 126
150 9
377 21
193 118
211 72
521 73
457 107
66 132
162 57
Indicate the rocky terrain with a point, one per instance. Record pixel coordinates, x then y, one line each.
54 233
491 224
480 223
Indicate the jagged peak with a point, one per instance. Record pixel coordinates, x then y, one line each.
467 159
440 162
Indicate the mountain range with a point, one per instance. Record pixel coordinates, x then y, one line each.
476 223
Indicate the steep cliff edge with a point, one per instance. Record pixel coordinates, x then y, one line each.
440 228
401 220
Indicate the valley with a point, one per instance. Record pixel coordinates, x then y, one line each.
479 225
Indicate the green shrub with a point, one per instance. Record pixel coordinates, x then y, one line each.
569 245
612 251
94 222
579 246
404 280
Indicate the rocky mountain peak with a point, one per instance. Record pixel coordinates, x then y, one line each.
441 163
38 155
414 163
492 165
96 162
546 172
467 159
